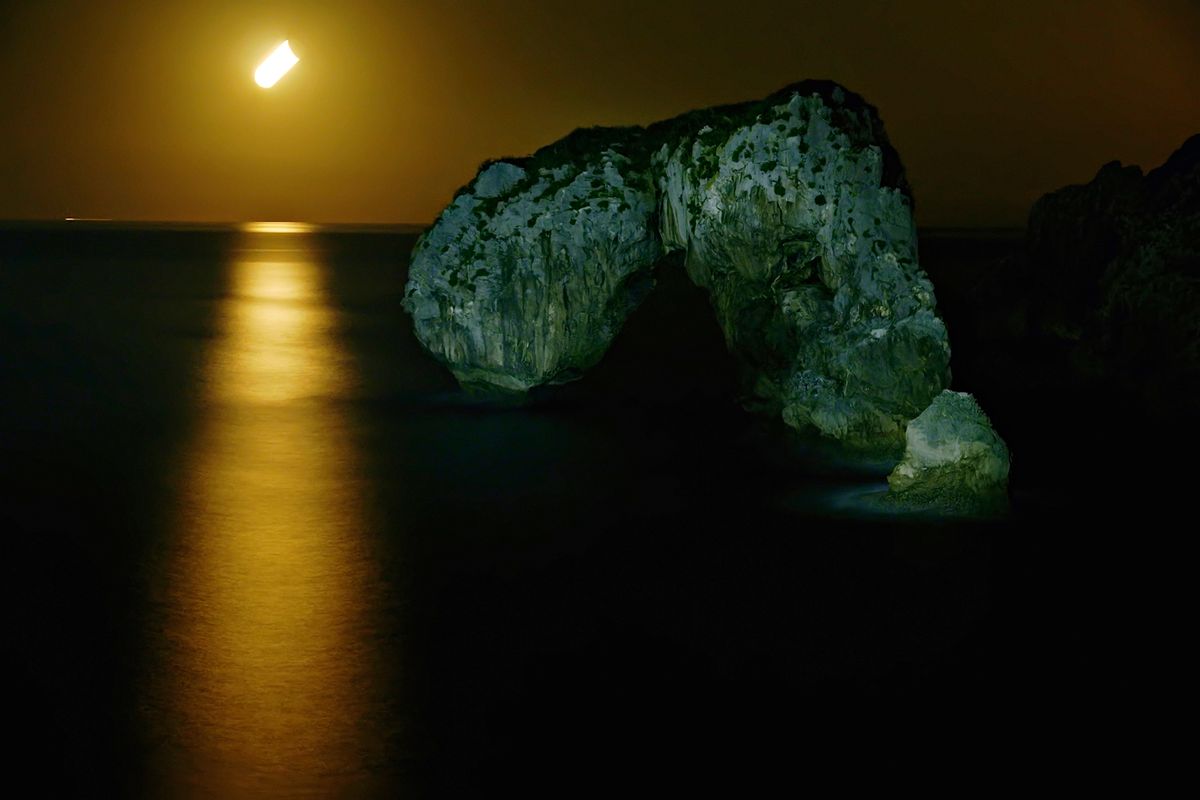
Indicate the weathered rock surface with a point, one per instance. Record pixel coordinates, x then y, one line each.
793 213
953 459
529 273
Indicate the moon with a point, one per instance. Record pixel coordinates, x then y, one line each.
275 66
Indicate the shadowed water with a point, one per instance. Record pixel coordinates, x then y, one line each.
258 545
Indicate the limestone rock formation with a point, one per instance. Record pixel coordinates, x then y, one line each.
529 273
953 459
792 212
795 215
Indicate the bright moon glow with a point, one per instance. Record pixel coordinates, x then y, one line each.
275 66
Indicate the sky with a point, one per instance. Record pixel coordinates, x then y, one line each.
149 110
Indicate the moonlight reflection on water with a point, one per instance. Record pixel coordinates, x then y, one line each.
268 605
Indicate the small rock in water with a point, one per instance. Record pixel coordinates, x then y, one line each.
953 460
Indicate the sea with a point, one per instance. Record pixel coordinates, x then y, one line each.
257 543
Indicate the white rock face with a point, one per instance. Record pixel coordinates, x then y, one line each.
528 275
951 453
792 212
810 258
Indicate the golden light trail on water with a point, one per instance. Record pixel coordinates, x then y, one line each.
275 66
267 685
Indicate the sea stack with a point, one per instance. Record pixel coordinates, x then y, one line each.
793 212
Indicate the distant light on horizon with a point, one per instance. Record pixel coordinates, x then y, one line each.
278 227
275 66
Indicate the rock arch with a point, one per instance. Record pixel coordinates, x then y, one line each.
793 212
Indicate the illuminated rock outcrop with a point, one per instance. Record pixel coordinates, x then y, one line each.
953 459
529 273
795 215
792 212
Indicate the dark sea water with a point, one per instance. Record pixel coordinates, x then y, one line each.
257 544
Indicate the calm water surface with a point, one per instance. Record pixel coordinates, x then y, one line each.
260 546
269 596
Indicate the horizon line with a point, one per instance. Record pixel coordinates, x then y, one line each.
200 224
415 227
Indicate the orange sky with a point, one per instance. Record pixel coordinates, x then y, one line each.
148 110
